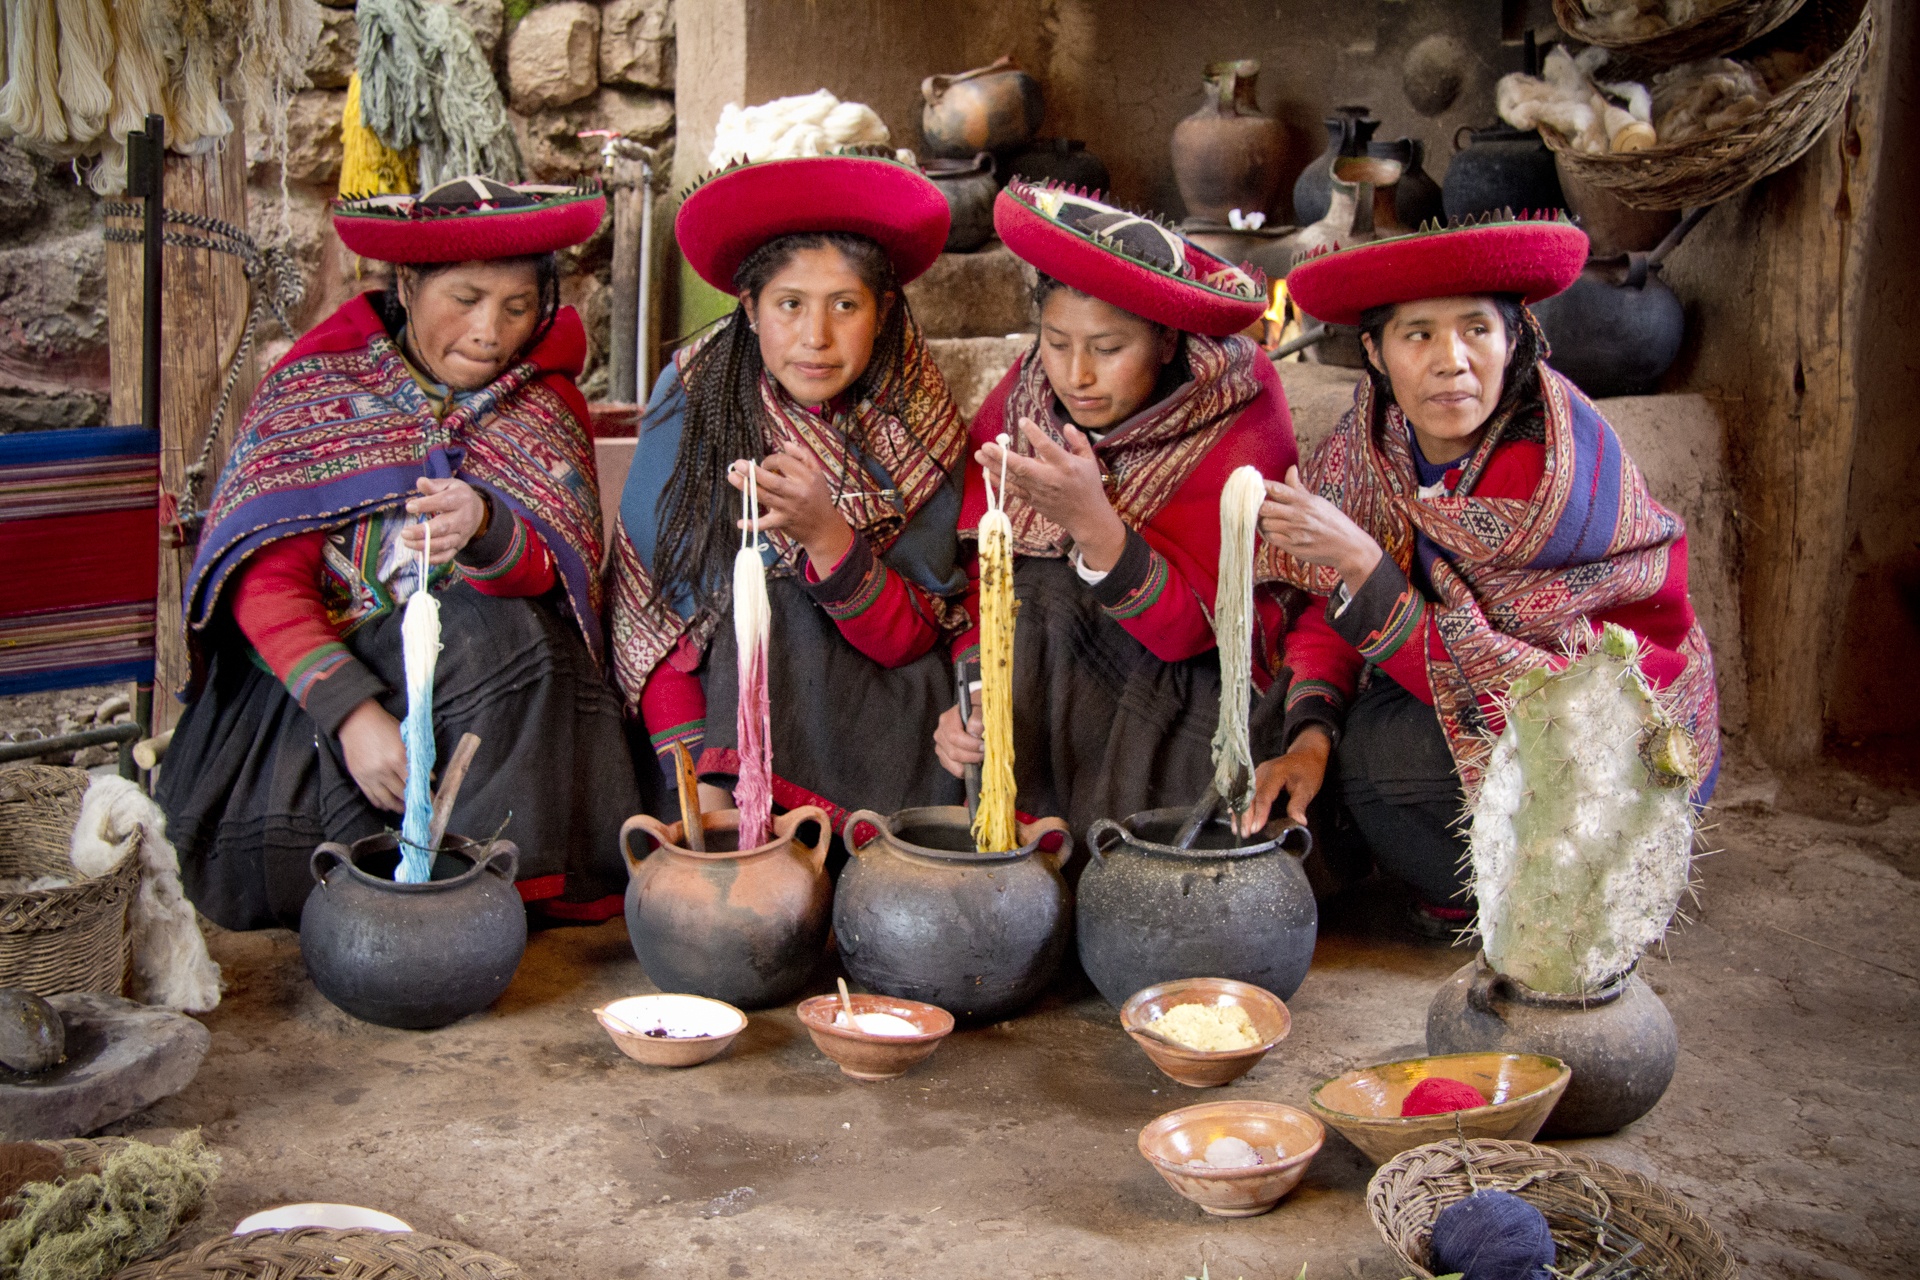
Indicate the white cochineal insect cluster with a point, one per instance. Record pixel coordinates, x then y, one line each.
1582 836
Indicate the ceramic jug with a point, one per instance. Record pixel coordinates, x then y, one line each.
1227 155
1501 169
1349 132
990 108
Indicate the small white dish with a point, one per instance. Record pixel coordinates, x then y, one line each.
680 1016
335 1217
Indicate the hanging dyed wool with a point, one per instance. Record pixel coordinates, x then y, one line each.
753 725
196 39
368 166
86 60
420 650
1240 502
139 87
995 822
30 108
425 83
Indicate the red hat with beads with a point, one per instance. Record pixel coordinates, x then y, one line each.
1532 256
471 218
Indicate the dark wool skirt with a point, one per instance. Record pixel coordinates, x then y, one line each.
250 786
846 730
1396 778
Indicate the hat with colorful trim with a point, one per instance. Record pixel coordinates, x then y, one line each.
1535 256
470 218
1126 259
729 214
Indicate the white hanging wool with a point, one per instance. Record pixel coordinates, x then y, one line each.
196 39
86 60
1240 501
139 87
810 124
753 723
30 108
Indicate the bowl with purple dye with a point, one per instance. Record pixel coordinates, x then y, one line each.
671 1030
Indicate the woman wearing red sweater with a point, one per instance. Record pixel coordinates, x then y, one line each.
1470 518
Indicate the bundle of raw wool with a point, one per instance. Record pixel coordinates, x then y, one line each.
1704 97
810 124
1594 117
1634 19
425 84
87 1226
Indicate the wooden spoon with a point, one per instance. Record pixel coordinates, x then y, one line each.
689 781
456 773
846 1003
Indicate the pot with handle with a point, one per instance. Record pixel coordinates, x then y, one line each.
921 914
1150 912
413 955
990 108
746 926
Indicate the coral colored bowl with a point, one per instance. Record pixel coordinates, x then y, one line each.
1364 1105
1201 1068
866 1056
1285 1137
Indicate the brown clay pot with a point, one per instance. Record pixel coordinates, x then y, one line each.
743 926
1227 155
989 108
1613 226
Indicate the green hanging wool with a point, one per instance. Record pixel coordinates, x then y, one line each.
89 1227
425 84
1583 832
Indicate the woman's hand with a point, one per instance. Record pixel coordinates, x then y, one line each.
1297 520
957 745
795 496
1064 485
1300 774
376 757
456 514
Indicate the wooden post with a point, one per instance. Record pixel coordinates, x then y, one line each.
204 302
625 382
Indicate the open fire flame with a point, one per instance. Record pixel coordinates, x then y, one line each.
1280 323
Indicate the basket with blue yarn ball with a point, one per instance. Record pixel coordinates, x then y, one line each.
1492 1235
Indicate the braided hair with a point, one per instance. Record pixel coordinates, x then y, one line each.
726 420
546 273
1519 402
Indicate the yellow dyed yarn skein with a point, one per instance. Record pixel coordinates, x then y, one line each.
995 823
369 166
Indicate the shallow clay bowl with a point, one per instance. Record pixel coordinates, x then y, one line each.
1285 1138
865 1056
1364 1105
713 1022
1197 1067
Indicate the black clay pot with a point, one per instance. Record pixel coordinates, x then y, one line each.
1150 913
1501 169
1616 329
1349 131
1620 1041
918 913
1416 197
413 955
1062 160
969 187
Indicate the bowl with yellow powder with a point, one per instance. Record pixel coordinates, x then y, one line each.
1205 1031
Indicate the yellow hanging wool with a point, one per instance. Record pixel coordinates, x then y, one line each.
1240 502
369 167
995 823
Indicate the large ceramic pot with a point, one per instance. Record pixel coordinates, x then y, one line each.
1616 329
1150 913
1349 133
990 108
920 914
1227 155
1501 169
741 925
969 187
1620 1041
1063 160
413 955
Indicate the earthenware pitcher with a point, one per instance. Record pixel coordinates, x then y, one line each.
413 955
741 925
1228 155
920 914
1619 1040
1349 133
990 108
1149 912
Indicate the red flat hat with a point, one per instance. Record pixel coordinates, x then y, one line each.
1534 257
1128 260
470 218
729 215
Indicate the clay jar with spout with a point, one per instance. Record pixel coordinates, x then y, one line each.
1149 912
1619 1040
1349 133
990 108
1227 155
413 955
745 926
920 914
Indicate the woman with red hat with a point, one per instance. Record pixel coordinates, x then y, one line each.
443 411
1470 518
821 385
1121 424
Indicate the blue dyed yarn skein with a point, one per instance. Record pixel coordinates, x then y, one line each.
1491 1235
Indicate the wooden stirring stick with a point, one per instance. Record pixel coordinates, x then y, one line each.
846 1002
450 780
690 829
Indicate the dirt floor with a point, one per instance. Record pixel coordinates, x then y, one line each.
1791 1123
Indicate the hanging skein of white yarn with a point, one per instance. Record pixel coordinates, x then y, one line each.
30 107
139 87
86 60
195 38
1240 501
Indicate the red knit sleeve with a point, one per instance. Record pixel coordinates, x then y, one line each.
881 614
276 604
673 705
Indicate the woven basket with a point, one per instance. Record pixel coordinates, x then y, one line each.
1595 1210
57 940
314 1253
1708 36
1713 166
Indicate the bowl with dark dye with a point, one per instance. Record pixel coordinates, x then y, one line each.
1285 1138
868 1056
671 1030
1364 1104
1204 1068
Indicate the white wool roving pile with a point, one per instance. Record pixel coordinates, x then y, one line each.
811 124
171 966
1634 19
1596 118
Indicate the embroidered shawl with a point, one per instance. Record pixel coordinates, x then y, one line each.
1516 578
340 430
884 468
1147 458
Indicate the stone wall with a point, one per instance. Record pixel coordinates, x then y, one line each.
53 297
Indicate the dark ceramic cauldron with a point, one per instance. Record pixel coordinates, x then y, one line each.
920 914
1616 329
1151 913
413 955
